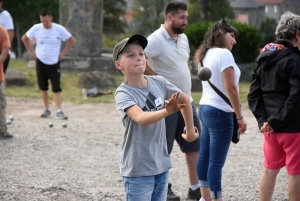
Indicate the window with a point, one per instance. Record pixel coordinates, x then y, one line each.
275 9
266 9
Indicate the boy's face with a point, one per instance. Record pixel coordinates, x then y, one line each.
132 59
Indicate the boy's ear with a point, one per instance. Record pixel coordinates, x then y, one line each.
118 65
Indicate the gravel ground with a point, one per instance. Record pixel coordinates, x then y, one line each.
81 162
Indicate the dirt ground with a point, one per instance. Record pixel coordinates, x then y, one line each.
81 162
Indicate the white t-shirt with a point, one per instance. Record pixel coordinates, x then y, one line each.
170 59
48 41
6 20
218 59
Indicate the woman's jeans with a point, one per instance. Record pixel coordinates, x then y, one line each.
215 139
149 188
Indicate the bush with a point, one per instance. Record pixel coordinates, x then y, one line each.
247 48
248 42
195 33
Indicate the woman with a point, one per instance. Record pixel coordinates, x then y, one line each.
274 99
215 114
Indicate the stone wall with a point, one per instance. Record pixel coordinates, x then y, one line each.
83 18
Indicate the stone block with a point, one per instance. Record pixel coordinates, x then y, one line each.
15 77
96 79
196 83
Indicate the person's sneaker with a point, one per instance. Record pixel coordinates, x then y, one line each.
171 195
61 115
194 195
5 135
46 113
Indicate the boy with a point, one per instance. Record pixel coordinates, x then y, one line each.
145 161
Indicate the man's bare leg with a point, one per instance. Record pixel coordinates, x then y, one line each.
45 99
267 184
57 100
294 187
191 159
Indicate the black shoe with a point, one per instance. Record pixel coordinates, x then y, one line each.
194 195
171 195
5 135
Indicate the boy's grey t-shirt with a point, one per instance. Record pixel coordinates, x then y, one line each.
144 151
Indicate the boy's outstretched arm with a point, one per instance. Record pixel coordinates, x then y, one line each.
187 113
145 118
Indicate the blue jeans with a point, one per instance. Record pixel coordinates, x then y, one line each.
215 139
149 188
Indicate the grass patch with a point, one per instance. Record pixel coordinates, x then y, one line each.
72 92
69 83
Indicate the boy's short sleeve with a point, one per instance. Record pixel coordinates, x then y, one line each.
123 101
170 89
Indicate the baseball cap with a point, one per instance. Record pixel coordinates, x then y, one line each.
121 45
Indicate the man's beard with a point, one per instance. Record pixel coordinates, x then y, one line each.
177 30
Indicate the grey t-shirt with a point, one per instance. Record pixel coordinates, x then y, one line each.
144 151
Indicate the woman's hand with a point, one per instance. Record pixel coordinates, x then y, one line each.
242 125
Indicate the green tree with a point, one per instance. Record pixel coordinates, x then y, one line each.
148 15
112 20
267 28
193 10
25 14
214 10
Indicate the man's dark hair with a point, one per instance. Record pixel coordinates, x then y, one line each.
174 6
45 12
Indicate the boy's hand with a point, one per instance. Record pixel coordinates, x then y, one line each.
172 104
190 137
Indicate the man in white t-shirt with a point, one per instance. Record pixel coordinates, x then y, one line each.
48 36
168 54
7 22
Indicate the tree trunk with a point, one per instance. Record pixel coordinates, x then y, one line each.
19 44
203 9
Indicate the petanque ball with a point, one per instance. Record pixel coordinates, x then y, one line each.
64 125
204 73
8 121
50 124
11 118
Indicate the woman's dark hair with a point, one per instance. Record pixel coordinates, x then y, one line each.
214 37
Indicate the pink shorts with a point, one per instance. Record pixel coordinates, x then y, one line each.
282 149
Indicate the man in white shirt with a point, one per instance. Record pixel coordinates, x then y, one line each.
168 54
48 36
7 22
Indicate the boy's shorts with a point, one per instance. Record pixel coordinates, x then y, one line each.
282 149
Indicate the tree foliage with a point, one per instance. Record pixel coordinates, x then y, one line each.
148 15
214 10
267 28
25 14
113 23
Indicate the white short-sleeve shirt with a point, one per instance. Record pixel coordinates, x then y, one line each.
218 59
170 59
48 41
6 20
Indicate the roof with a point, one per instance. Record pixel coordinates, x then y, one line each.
245 4
270 1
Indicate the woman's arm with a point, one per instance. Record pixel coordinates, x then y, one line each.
233 95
